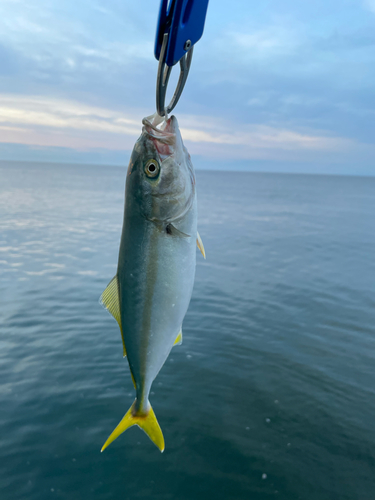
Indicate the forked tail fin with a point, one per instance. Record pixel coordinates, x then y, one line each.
146 421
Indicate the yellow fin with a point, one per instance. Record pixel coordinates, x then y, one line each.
147 422
178 340
200 245
110 299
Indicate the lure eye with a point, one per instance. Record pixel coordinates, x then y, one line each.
152 168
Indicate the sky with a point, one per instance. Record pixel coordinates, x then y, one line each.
275 86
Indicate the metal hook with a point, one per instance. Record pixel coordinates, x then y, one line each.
164 72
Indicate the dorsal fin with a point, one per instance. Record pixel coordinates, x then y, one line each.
200 245
110 299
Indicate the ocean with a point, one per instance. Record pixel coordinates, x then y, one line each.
270 396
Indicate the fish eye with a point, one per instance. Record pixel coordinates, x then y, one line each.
152 168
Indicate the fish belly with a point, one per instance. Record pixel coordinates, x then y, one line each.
156 276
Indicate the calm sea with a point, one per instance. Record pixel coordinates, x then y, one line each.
272 393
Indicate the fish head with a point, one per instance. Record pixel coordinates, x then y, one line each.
161 176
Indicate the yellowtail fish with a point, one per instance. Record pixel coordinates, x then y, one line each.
150 294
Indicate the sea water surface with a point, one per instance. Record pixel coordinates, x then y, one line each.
270 396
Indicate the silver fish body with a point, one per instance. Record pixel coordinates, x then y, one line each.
156 266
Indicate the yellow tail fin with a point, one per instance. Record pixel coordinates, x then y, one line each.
146 421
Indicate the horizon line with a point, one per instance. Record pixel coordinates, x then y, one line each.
240 171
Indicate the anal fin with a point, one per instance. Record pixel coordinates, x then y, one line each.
110 299
178 340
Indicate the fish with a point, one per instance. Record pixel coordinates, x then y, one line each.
151 291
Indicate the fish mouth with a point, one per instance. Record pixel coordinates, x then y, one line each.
171 125
164 134
156 127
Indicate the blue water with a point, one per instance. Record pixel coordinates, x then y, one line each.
271 395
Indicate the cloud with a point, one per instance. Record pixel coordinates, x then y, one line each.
277 82
251 138
48 29
40 121
269 42
72 43
47 112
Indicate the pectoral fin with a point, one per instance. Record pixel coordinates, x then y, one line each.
200 245
110 299
173 231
